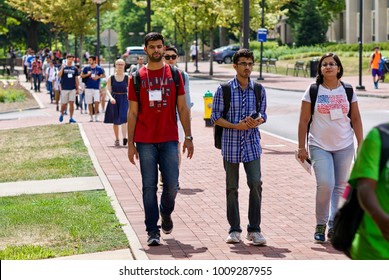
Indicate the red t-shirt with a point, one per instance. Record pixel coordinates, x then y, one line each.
157 120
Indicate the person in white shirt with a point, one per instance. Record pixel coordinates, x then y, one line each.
50 76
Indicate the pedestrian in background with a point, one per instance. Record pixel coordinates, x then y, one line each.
241 144
171 56
153 135
374 65
93 73
36 70
117 108
371 241
330 139
69 87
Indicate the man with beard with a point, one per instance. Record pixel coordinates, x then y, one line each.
153 134
241 143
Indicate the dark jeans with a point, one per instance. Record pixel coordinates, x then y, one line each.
150 156
37 81
49 87
253 174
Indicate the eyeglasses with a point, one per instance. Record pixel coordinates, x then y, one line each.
330 64
245 64
167 57
119 64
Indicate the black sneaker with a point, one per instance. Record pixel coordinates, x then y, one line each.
125 141
167 224
320 233
153 239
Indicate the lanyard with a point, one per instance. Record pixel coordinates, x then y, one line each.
148 81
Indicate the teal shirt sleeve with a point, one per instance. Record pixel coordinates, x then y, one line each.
368 159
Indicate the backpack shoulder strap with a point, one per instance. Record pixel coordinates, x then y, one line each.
349 92
384 133
176 77
258 92
226 88
182 75
136 79
313 90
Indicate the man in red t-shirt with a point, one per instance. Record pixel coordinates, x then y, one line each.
152 126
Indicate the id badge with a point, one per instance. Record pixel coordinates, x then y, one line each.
336 114
155 95
93 75
70 75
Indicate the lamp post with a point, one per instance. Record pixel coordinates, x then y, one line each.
260 78
197 51
98 4
360 86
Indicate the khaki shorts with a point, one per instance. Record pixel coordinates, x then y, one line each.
68 96
92 95
56 95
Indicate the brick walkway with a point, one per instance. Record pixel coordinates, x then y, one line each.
200 224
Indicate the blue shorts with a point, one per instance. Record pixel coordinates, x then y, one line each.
376 72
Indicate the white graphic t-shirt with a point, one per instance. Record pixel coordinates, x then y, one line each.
331 127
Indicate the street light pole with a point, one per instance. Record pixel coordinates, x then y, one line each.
197 51
98 4
260 78
360 86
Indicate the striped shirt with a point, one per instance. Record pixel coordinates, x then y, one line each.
239 145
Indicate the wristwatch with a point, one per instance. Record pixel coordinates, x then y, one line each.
190 138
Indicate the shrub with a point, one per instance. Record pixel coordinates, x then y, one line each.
11 95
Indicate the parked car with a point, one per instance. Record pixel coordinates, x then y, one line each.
131 55
224 54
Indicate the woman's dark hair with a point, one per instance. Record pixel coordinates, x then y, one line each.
242 53
319 77
171 48
153 36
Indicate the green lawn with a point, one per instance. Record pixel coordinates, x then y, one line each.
43 152
53 225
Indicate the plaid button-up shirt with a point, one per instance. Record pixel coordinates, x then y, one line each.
239 145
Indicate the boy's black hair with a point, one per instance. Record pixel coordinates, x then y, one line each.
153 36
242 53
171 48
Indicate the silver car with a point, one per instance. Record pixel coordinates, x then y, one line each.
131 56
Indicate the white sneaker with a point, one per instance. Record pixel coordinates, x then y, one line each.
96 118
233 237
256 237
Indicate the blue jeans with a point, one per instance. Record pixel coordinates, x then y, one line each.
37 81
150 156
49 87
332 171
253 174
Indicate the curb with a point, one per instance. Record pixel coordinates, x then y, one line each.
135 246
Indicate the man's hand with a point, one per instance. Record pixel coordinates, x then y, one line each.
242 125
188 144
253 123
132 151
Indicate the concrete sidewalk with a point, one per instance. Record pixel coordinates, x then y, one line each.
200 223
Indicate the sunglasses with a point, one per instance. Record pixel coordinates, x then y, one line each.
167 57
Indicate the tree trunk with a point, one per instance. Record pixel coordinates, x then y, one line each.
81 52
211 39
32 35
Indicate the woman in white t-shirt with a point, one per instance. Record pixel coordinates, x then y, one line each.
330 139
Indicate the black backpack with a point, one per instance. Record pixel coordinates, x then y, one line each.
226 89
137 81
349 216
